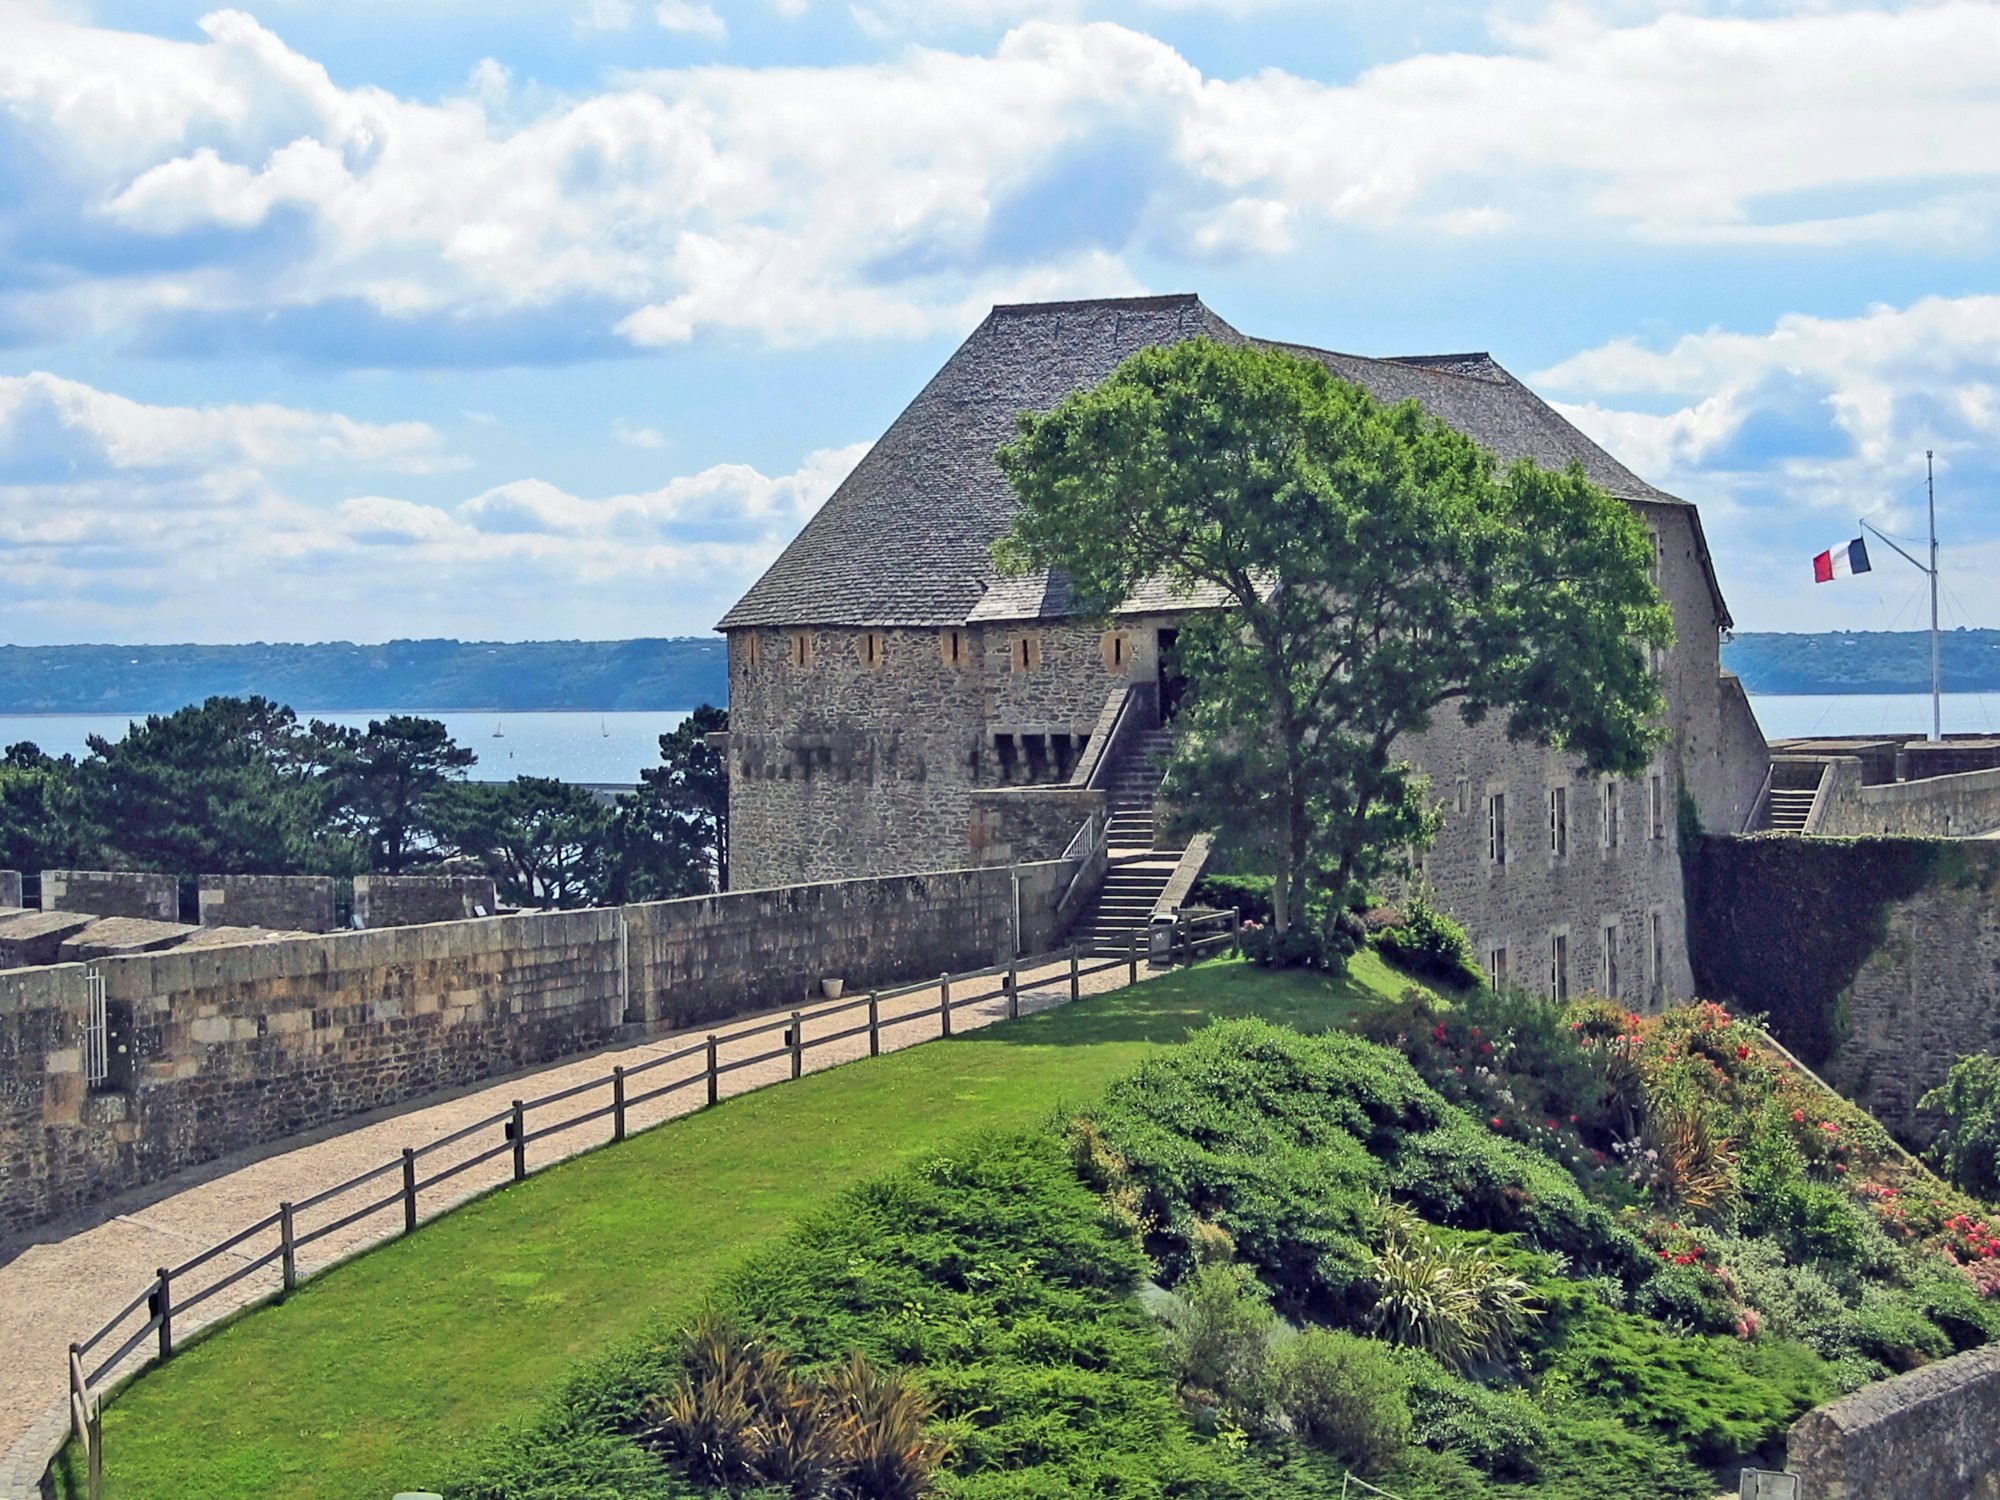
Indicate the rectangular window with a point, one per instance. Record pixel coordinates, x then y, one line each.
1117 648
1659 555
1496 966
1608 827
1657 936
1558 822
1559 965
952 647
1025 654
1464 792
753 650
802 649
1607 967
1496 828
1656 804
872 647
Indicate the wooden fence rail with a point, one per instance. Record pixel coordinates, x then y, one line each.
1195 933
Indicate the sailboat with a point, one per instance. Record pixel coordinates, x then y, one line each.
604 729
498 732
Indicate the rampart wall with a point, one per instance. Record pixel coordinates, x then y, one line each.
112 893
220 1049
1933 1434
283 903
408 900
1967 802
1877 960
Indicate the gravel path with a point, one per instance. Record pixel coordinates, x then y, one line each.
63 1289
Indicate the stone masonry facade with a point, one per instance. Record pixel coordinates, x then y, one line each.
112 893
408 900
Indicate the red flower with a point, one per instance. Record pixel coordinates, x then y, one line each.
1742 1053
1496 1122
1798 1117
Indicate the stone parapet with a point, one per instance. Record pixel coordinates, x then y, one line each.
1933 1434
286 903
411 900
112 893
10 889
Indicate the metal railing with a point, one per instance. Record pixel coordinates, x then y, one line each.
278 1237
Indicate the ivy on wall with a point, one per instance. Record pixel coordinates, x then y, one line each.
1782 924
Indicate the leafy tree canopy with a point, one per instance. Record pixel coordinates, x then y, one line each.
671 837
1371 566
385 785
542 839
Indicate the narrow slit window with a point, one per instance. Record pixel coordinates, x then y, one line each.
802 649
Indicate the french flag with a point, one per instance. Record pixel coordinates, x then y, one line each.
1838 562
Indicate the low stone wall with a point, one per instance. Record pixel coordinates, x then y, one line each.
1019 824
1933 1434
36 937
411 900
112 893
285 903
1939 807
215 1049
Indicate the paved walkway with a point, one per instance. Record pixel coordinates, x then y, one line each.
63 1290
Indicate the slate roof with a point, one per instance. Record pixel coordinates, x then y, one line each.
907 539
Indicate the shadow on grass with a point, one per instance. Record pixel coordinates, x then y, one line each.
1165 1010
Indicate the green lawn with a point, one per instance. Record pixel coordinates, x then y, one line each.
372 1377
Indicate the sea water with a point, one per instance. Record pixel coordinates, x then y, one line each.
607 748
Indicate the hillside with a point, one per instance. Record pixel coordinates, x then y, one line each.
1863 661
518 677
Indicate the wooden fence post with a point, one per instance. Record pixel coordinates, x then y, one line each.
874 1024
1075 976
519 1127
409 1189
1014 988
618 1102
798 1044
944 1003
1132 956
713 1074
164 1295
1236 929
288 1248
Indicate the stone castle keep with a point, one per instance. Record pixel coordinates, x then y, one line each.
896 705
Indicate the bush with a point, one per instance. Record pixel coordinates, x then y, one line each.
1303 945
1498 1430
1249 894
1344 1394
1452 1300
1430 943
1967 1149
1219 1332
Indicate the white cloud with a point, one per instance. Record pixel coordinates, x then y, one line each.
43 416
634 436
179 511
605 15
1786 435
693 19
892 197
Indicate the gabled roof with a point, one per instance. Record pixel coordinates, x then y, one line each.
907 538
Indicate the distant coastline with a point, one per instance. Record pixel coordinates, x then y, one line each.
668 674
677 673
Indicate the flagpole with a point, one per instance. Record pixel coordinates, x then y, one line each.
1937 676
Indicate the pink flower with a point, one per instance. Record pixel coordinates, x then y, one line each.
1496 1122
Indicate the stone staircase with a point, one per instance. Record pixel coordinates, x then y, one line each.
1137 872
1788 808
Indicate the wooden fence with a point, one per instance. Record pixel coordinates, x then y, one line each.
149 1317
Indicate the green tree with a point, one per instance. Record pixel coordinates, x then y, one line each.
232 784
1360 567
1967 1150
386 781
542 840
41 812
671 837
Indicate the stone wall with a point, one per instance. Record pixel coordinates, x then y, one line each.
221 1048
10 888
1020 824
36 937
1933 1434
1876 960
112 893
285 903
1957 805
411 900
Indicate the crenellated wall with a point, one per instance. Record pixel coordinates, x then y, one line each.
218 1049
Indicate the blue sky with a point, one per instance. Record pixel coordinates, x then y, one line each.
522 320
